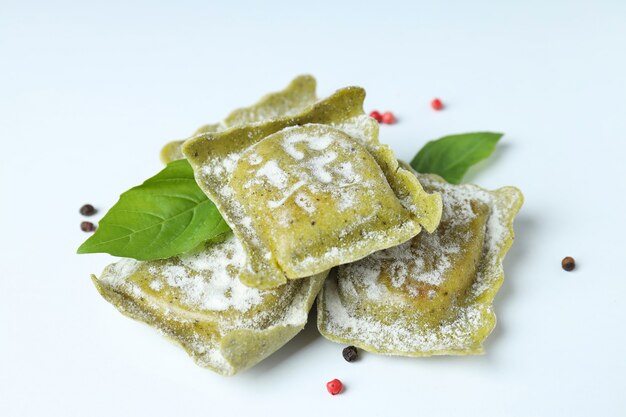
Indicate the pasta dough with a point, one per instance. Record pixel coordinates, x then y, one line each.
431 295
197 300
298 95
268 180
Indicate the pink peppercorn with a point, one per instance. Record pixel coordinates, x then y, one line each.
377 116
388 118
436 104
334 387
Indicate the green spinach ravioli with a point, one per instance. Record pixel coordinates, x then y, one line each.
298 95
310 191
196 300
433 294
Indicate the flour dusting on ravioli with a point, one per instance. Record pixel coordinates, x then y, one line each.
433 294
310 191
298 95
197 300
314 184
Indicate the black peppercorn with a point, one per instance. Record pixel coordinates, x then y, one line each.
350 354
87 226
568 263
87 210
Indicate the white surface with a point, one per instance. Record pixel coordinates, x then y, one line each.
89 93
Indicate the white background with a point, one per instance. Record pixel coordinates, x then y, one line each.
90 91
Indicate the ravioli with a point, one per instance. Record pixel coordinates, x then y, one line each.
298 95
433 294
310 191
197 301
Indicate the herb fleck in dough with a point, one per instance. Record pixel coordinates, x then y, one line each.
431 295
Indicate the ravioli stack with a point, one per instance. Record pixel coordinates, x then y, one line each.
308 190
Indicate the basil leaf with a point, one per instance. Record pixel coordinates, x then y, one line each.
451 156
165 216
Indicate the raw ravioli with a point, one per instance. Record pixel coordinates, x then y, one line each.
433 294
197 301
298 95
311 191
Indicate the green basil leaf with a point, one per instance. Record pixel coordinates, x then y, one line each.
451 156
165 216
